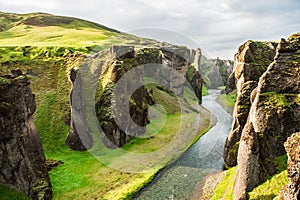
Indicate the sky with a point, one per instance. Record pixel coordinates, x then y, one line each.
218 27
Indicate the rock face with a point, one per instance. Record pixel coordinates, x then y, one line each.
250 63
118 127
79 122
217 71
21 155
154 63
274 116
292 147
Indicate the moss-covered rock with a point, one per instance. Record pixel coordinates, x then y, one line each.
274 116
292 146
21 154
251 61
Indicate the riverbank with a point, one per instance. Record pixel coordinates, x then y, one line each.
207 187
180 179
227 102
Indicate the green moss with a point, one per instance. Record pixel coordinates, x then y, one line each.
9 194
281 163
40 187
50 122
165 98
278 103
4 80
190 72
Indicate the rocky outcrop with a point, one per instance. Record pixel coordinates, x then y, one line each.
125 121
153 63
21 155
292 147
79 137
197 61
119 121
274 116
250 63
217 71
230 84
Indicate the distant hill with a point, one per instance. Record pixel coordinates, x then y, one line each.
42 29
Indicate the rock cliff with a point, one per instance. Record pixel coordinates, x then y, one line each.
217 71
292 147
273 117
251 61
21 155
155 64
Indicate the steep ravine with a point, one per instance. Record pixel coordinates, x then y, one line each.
181 178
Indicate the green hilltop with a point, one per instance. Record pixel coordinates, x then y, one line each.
41 29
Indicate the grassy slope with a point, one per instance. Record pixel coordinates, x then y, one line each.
41 42
227 100
266 191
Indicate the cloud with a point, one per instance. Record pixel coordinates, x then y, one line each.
218 26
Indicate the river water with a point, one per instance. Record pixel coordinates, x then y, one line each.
180 179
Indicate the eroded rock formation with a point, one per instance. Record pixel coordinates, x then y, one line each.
217 71
274 116
155 64
251 61
21 155
79 137
292 147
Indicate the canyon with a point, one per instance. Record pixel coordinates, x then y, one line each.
50 141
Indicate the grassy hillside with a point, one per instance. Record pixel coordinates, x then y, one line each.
40 29
43 46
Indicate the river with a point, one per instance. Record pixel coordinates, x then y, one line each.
180 179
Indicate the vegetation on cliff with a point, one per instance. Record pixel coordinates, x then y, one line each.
271 117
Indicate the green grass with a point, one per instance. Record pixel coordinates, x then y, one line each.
9 194
204 90
227 100
266 191
38 29
271 188
86 175
224 189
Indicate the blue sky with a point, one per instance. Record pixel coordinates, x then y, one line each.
217 26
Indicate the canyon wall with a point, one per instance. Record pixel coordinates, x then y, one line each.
216 71
274 115
251 61
21 155
155 64
292 147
